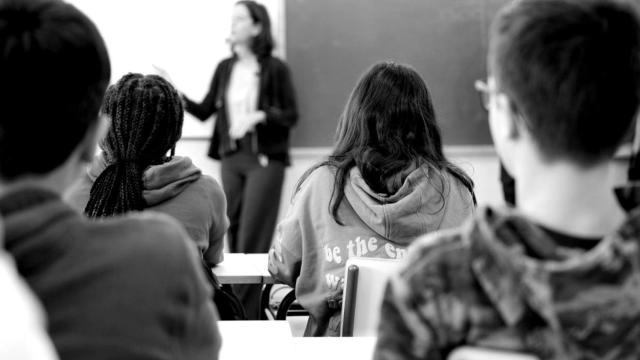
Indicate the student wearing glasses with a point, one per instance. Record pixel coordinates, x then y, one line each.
558 276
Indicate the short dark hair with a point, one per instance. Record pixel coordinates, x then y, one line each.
572 69
54 69
261 44
146 117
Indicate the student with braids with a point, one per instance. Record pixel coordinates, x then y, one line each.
386 183
125 288
137 169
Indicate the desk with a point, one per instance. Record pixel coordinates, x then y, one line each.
258 340
334 348
266 340
260 262
239 268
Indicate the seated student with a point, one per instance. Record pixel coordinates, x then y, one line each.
126 288
22 327
386 183
557 276
135 173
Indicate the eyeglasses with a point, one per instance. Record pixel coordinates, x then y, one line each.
484 90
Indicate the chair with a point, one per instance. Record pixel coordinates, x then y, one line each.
365 281
285 303
279 303
476 353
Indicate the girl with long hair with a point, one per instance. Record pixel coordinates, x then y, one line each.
386 182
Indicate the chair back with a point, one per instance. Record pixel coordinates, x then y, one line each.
365 282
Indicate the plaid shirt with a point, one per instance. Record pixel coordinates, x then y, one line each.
501 282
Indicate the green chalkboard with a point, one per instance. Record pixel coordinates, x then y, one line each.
330 43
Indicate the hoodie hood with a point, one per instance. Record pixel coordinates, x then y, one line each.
420 205
160 182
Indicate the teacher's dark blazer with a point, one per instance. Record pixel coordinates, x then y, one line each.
276 98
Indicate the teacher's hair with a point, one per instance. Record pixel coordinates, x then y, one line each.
387 130
54 69
262 44
146 119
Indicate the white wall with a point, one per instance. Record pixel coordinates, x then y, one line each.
187 38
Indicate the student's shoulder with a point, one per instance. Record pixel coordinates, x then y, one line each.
319 180
140 247
152 235
321 174
207 186
443 257
205 192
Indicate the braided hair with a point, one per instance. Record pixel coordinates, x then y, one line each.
146 118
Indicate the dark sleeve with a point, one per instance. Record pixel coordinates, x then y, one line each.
208 106
285 113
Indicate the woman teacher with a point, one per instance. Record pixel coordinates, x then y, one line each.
252 96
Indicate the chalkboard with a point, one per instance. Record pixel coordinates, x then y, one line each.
330 43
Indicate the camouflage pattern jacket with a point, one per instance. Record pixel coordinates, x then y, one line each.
501 282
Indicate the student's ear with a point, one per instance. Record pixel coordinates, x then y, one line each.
513 120
502 119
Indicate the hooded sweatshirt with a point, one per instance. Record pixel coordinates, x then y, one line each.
502 282
127 287
311 247
177 188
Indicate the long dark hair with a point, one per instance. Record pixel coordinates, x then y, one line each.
146 118
387 130
261 44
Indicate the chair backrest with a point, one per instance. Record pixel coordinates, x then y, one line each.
476 353
365 281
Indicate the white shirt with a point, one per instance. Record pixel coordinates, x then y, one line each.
242 98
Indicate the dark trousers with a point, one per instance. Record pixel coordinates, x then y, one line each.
253 197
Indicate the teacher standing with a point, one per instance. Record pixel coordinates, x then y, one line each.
252 96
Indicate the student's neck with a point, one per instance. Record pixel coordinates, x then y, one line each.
245 54
56 181
564 197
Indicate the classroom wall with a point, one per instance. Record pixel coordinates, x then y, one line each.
186 38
